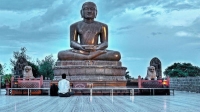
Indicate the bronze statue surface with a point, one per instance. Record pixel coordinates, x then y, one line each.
89 38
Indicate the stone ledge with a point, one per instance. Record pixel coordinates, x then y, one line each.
88 63
85 70
92 78
83 66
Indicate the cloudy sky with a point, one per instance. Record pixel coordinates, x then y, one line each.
139 29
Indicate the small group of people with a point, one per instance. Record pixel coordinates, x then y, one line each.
62 89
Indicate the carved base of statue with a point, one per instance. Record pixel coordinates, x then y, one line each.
96 72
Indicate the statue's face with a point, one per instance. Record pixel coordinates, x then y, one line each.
27 68
88 11
151 69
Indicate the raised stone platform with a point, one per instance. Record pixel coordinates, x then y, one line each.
99 73
88 62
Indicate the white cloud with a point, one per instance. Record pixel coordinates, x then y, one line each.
183 34
187 34
178 18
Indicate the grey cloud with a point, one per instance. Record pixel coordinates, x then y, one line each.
156 33
51 16
175 5
125 27
23 5
149 12
55 14
152 12
18 35
193 28
195 25
7 31
112 8
32 24
60 12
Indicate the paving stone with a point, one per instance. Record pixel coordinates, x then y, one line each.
180 102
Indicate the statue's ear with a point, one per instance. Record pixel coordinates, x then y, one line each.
81 11
95 14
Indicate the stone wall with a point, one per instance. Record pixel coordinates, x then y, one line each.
46 83
190 84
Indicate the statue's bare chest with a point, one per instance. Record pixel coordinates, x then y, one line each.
91 29
89 33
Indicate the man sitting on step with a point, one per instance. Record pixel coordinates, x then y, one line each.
63 87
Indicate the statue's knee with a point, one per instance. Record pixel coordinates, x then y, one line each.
60 55
65 55
117 55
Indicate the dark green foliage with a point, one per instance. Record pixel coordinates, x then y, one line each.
46 66
1 69
182 70
35 69
127 76
6 78
19 54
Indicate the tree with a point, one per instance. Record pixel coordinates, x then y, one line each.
182 70
1 69
22 54
19 62
6 78
19 54
127 76
35 69
46 66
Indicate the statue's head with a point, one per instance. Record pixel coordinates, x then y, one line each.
27 68
28 72
89 10
151 73
151 69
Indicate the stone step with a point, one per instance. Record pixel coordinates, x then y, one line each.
92 70
88 63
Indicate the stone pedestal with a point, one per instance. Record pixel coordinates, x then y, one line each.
99 73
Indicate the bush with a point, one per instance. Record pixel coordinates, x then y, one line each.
182 70
6 78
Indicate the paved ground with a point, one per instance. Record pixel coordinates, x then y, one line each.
181 102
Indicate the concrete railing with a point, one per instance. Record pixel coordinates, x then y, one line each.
152 90
29 90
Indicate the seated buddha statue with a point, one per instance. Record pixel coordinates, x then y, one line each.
89 38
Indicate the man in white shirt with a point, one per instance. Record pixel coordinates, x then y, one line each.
63 87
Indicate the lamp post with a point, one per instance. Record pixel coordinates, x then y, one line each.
164 82
15 84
